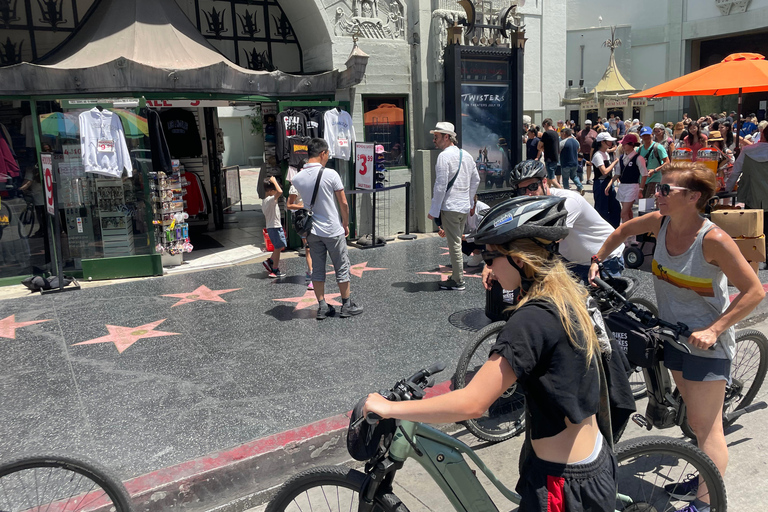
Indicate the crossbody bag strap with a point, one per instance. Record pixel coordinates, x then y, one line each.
317 186
458 170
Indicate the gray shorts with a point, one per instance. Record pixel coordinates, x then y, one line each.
696 368
337 248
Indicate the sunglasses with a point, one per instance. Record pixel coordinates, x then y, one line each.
533 187
489 256
664 189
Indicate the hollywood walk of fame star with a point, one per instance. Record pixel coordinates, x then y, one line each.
124 337
309 299
201 293
446 272
446 251
358 269
8 326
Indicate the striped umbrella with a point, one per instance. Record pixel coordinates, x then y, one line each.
134 125
58 124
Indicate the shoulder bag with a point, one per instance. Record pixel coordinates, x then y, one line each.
438 220
302 219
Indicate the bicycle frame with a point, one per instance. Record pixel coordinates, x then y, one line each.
663 410
442 458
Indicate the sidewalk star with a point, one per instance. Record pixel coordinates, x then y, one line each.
358 269
8 326
446 272
124 337
309 299
201 293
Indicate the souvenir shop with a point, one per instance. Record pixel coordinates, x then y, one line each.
135 153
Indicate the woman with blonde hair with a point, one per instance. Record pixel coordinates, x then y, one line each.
693 262
550 348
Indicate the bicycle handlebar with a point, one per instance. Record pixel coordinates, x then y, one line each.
647 318
412 388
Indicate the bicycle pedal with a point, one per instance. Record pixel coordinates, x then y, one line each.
641 421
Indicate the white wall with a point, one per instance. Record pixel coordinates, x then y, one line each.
239 143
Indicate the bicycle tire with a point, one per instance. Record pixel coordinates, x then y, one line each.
647 304
297 489
506 416
26 223
634 458
741 366
17 476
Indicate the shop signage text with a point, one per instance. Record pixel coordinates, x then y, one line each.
640 102
187 103
47 161
364 167
484 71
589 105
614 103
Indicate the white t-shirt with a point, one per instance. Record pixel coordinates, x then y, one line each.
292 191
271 211
339 133
588 229
326 221
600 158
627 158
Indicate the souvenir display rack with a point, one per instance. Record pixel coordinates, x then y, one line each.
169 216
115 219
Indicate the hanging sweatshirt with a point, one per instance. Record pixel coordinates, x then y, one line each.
339 133
102 142
161 155
8 165
181 133
290 123
314 123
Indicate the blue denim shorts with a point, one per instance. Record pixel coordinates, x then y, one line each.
551 170
696 368
277 236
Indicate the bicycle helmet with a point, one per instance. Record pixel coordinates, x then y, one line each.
540 218
364 439
526 170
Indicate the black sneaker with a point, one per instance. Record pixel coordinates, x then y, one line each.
277 273
450 284
268 265
350 309
685 490
325 312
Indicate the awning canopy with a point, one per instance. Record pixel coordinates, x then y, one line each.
613 81
128 46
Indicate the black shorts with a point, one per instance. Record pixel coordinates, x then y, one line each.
550 487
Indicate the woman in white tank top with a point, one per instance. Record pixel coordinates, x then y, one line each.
693 262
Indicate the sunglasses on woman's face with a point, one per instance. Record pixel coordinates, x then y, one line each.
665 188
533 187
489 256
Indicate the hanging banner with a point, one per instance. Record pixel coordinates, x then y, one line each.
47 161
589 105
364 168
616 103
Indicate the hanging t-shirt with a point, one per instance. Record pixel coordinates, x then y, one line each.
298 151
102 144
181 133
290 123
314 123
161 155
8 165
339 133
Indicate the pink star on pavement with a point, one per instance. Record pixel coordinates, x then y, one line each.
309 299
446 251
124 337
446 272
358 269
201 293
8 326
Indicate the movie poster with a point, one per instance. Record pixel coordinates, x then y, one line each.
485 125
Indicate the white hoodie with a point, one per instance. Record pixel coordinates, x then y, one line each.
111 156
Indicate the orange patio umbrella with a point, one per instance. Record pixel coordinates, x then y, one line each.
736 74
386 113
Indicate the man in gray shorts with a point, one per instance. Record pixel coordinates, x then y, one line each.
329 231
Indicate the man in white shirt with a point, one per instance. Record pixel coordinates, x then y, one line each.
329 231
453 196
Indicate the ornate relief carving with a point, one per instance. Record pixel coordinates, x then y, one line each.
8 53
373 19
730 6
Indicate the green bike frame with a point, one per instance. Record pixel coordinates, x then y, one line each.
442 457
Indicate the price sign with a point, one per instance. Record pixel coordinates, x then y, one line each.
47 161
72 153
364 167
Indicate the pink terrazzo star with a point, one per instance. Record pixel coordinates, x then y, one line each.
308 300
446 251
358 269
201 293
8 326
124 337
446 272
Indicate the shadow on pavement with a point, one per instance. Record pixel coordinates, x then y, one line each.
287 313
429 286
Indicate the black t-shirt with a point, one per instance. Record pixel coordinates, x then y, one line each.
181 133
532 148
552 371
551 146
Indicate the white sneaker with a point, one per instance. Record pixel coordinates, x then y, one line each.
474 260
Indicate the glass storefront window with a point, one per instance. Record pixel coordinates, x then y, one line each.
385 120
102 206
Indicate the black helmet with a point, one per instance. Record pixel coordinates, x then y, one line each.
535 217
526 170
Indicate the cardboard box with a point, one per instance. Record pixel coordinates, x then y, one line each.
753 249
740 223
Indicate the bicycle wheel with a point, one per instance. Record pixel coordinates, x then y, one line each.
748 370
27 222
55 482
637 383
328 489
645 304
506 416
652 469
